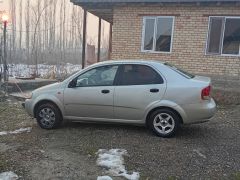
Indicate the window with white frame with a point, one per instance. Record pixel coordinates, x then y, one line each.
224 36
157 34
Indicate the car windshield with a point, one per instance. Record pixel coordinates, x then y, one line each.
180 71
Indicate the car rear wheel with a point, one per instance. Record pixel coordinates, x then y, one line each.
164 122
48 116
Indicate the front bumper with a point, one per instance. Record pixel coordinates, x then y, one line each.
28 106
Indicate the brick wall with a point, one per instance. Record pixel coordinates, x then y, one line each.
189 37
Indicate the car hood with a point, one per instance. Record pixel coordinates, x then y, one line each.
49 87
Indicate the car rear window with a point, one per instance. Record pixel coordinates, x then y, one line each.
180 71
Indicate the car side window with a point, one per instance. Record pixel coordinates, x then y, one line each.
133 74
100 76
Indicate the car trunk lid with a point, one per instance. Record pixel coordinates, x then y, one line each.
203 79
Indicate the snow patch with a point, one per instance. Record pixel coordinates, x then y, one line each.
104 178
199 153
114 162
24 70
42 151
18 131
3 133
8 176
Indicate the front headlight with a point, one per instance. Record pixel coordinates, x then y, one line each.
28 95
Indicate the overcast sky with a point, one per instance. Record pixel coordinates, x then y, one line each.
3 5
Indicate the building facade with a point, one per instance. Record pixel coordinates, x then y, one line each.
200 37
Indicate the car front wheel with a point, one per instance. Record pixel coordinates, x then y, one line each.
48 116
164 122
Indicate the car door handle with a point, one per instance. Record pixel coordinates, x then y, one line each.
105 91
154 90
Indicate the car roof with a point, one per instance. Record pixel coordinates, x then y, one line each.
135 61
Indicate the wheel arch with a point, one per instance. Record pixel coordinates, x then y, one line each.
44 101
163 107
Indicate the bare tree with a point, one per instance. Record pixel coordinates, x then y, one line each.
78 23
37 11
45 31
13 31
27 23
20 24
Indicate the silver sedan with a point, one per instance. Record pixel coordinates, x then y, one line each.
152 93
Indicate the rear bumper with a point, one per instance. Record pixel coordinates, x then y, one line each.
198 113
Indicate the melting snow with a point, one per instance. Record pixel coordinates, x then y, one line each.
24 70
114 162
104 178
18 131
199 153
8 176
3 133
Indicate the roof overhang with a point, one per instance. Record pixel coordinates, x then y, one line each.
104 8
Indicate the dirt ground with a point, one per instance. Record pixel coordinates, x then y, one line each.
204 151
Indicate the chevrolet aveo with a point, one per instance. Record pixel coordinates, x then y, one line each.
150 93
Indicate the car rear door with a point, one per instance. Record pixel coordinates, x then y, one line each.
138 87
93 93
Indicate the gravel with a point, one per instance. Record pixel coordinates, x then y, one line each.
203 151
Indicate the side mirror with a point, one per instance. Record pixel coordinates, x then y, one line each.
73 83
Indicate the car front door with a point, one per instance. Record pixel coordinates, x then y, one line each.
91 93
139 86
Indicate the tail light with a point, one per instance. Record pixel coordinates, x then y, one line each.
206 93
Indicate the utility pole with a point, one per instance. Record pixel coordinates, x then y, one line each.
5 51
1 58
5 20
84 38
99 39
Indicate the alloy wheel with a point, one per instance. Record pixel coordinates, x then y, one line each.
164 123
47 116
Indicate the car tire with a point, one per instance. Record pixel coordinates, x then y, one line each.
164 122
48 116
